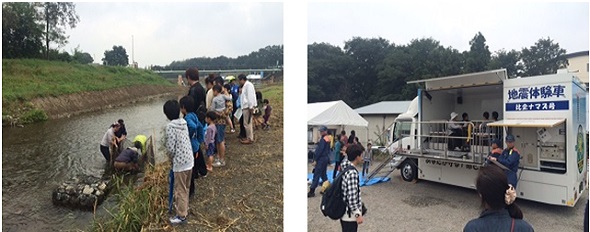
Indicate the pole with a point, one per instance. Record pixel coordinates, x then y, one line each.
132 52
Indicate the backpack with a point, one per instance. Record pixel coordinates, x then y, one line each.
333 205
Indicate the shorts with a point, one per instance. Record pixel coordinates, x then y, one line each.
211 150
220 135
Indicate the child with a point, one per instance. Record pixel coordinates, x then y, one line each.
367 158
196 135
267 111
496 150
257 120
210 138
229 107
218 106
337 155
178 147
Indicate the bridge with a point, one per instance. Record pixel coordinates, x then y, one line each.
220 71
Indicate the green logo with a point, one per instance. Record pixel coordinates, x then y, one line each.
580 148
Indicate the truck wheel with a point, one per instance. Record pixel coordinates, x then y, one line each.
409 171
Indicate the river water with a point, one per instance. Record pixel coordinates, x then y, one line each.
39 157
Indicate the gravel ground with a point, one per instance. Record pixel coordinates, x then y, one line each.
429 206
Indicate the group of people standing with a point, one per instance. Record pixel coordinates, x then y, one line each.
196 142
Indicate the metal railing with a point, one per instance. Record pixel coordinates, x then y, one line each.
438 141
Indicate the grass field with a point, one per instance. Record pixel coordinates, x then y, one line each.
27 79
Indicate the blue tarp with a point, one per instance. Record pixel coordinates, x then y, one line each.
372 181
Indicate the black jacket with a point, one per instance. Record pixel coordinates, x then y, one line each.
496 220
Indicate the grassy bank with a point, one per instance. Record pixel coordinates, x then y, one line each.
26 79
222 202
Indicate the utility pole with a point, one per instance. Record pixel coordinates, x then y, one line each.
132 52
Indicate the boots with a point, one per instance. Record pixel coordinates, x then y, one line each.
311 193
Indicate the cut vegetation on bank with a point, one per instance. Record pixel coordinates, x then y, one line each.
25 80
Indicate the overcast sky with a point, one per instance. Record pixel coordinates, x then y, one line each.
166 32
504 25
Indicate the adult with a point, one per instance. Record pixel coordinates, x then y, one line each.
209 85
321 160
511 159
486 119
197 92
455 129
109 139
128 159
344 138
121 134
242 134
351 190
337 151
497 198
248 103
351 137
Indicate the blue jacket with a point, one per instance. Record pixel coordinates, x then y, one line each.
494 220
510 158
195 130
322 151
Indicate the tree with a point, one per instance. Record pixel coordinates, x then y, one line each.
367 55
327 73
81 57
508 60
116 57
545 57
21 36
56 16
478 57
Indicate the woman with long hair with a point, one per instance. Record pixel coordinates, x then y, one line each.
497 198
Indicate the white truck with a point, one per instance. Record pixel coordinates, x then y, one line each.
546 114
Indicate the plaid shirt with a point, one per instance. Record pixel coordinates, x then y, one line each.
351 192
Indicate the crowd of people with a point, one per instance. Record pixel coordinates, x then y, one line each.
495 184
196 142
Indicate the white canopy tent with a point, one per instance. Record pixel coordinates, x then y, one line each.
334 113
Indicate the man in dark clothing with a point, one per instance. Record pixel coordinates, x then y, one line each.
321 161
198 93
511 159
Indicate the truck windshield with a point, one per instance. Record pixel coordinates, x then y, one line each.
402 128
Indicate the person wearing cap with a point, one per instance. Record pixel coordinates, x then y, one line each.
511 159
129 158
109 139
321 160
454 129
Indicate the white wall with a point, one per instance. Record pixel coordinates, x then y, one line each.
381 121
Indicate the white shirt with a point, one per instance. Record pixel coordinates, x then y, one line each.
107 137
248 97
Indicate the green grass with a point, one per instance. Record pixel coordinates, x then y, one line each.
26 79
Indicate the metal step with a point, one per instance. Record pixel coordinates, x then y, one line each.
393 161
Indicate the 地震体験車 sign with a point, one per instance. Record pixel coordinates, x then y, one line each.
537 98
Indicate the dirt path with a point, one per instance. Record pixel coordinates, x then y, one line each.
246 194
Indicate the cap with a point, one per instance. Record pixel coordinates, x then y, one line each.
453 115
230 78
509 138
323 128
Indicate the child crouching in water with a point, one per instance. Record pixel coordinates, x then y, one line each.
210 138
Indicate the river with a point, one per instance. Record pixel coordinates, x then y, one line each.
39 157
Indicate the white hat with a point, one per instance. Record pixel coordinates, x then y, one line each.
453 115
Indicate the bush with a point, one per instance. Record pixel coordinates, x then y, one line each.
34 115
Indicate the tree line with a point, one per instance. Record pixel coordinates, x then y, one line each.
36 30
369 70
269 56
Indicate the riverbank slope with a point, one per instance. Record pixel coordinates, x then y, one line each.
36 90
